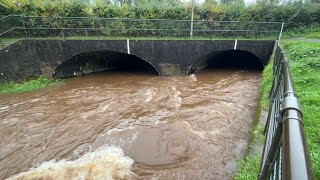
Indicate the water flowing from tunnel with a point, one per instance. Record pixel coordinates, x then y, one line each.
131 126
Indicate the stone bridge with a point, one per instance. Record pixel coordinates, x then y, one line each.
65 58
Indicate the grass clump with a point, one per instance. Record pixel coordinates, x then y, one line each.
250 168
30 85
267 77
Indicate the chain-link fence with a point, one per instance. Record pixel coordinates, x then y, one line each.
97 28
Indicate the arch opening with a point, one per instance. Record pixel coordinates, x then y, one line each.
229 59
99 61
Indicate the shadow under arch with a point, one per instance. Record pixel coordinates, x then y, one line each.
230 59
106 60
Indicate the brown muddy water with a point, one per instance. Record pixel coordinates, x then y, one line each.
130 126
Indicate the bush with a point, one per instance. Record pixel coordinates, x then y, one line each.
294 15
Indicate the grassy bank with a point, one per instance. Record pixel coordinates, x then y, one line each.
312 31
305 69
30 85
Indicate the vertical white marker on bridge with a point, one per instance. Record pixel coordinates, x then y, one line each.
235 44
128 46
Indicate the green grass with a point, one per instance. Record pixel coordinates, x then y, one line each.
249 168
309 35
312 31
304 63
7 41
30 85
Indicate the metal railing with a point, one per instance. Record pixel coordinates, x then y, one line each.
11 23
70 27
285 154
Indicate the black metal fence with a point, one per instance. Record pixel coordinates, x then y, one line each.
72 27
285 154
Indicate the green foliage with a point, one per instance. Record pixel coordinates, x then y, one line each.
249 168
30 85
7 7
311 31
266 85
295 15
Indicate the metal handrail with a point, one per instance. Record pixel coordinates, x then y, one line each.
10 28
140 29
11 15
285 154
39 26
59 17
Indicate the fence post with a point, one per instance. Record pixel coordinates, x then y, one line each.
25 26
62 33
191 24
280 33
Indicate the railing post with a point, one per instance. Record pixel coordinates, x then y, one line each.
25 26
62 33
280 34
191 23
158 29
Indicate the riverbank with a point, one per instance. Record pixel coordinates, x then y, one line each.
305 69
30 85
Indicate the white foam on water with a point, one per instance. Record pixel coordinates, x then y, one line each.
105 106
17 104
4 108
134 137
176 97
149 95
107 162
35 100
201 134
193 77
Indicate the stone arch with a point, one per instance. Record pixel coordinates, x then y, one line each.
105 60
226 59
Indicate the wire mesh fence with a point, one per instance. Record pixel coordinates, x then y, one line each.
92 27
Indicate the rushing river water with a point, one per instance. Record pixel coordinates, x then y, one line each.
130 125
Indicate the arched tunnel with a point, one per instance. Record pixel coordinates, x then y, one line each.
231 59
98 61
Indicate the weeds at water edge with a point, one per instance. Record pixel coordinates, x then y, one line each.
40 82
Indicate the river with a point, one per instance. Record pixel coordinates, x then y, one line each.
130 126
